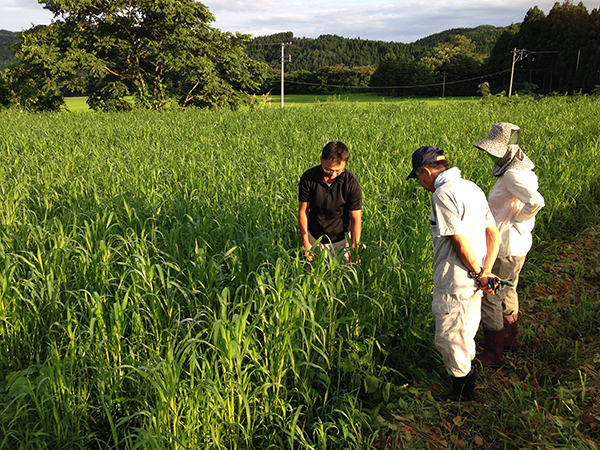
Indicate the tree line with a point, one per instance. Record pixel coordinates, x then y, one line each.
335 64
331 50
554 53
558 52
159 53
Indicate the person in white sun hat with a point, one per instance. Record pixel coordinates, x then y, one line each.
514 201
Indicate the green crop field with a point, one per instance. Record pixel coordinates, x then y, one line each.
153 293
78 104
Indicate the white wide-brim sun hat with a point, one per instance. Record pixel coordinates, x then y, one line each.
499 138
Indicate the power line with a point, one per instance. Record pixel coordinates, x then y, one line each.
400 87
519 55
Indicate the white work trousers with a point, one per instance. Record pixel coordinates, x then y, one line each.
332 249
457 318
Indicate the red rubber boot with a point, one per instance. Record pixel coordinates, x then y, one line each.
493 349
510 333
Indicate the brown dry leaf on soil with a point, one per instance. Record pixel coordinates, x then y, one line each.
457 442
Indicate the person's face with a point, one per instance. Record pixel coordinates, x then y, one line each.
331 170
427 180
495 159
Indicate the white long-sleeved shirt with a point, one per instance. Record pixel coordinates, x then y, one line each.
514 201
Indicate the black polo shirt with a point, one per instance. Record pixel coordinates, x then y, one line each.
330 206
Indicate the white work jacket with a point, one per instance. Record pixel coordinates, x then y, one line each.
515 201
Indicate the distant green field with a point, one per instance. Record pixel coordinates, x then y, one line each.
78 104
153 293
299 100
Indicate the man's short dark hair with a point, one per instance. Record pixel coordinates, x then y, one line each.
335 151
438 166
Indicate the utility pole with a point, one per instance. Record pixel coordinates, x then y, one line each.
518 55
512 71
283 44
444 86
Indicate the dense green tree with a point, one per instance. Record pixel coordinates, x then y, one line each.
47 65
154 50
424 80
5 97
341 75
300 82
532 28
458 55
387 71
331 79
393 75
499 62
455 60
558 52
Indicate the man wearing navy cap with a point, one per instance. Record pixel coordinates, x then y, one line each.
465 244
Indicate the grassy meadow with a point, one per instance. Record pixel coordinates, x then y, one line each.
153 293
79 104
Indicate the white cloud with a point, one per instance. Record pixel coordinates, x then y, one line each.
398 20
401 21
18 15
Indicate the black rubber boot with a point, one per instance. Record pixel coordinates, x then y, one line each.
493 348
462 388
510 335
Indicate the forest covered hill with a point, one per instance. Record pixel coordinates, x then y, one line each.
332 50
6 55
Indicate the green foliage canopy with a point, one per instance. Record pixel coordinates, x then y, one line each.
155 50
560 51
458 54
317 64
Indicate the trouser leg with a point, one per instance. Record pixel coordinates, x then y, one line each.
510 302
456 321
506 302
331 249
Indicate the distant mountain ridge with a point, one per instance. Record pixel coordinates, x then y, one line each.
6 55
485 36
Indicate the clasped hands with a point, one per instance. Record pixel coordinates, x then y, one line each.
492 284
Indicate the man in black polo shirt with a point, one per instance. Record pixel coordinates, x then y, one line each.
330 199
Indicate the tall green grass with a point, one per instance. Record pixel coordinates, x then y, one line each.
152 289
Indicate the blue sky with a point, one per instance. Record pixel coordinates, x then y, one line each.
397 20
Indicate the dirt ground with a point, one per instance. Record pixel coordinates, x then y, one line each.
561 330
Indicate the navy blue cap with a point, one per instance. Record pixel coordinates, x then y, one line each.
425 155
